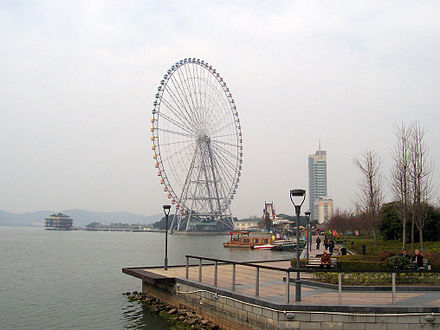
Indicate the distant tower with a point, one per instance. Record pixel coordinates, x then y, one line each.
317 179
269 209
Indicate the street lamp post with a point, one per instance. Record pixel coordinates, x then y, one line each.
166 211
297 196
309 237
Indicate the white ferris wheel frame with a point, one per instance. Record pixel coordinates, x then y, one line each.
184 111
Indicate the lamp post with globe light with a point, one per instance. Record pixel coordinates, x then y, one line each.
166 211
297 196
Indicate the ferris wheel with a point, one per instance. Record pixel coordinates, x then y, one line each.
197 145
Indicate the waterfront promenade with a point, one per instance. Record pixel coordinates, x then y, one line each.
272 287
256 295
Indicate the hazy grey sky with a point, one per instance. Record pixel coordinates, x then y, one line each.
78 78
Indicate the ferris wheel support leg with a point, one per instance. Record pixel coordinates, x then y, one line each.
172 223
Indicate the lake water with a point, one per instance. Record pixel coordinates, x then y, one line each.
73 279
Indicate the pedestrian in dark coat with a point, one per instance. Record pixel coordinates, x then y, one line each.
331 246
326 242
318 243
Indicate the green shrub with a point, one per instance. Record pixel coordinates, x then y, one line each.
398 262
378 278
355 278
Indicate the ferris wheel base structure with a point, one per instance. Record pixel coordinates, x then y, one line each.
203 223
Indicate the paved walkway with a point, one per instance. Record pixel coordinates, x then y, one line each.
273 288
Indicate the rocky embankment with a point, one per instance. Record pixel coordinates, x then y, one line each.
178 318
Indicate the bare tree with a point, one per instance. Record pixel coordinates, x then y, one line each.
420 176
400 180
370 195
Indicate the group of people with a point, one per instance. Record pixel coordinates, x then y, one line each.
326 262
417 258
328 245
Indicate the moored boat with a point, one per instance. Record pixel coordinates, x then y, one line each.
246 239
286 245
262 247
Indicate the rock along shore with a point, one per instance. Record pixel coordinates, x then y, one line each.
179 318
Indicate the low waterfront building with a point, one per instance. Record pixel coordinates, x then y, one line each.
246 224
58 221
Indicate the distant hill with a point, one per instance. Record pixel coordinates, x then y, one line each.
80 217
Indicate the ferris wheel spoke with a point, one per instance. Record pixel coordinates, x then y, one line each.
176 142
186 129
180 106
226 151
225 174
176 97
224 143
184 79
177 82
226 177
209 85
176 113
175 132
217 94
186 106
221 128
217 121
213 92
177 153
179 116
215 137
192 86
224 160
204 84
201 83
228 173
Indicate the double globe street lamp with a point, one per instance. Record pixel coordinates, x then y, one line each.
297 196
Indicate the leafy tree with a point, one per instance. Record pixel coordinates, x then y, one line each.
391 227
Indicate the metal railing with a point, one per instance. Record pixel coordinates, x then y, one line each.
286 271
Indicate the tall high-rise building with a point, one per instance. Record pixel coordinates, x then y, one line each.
317 179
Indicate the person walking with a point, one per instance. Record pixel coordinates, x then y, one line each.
331 246
326 242
318 242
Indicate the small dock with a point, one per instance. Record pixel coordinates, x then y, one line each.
246 295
